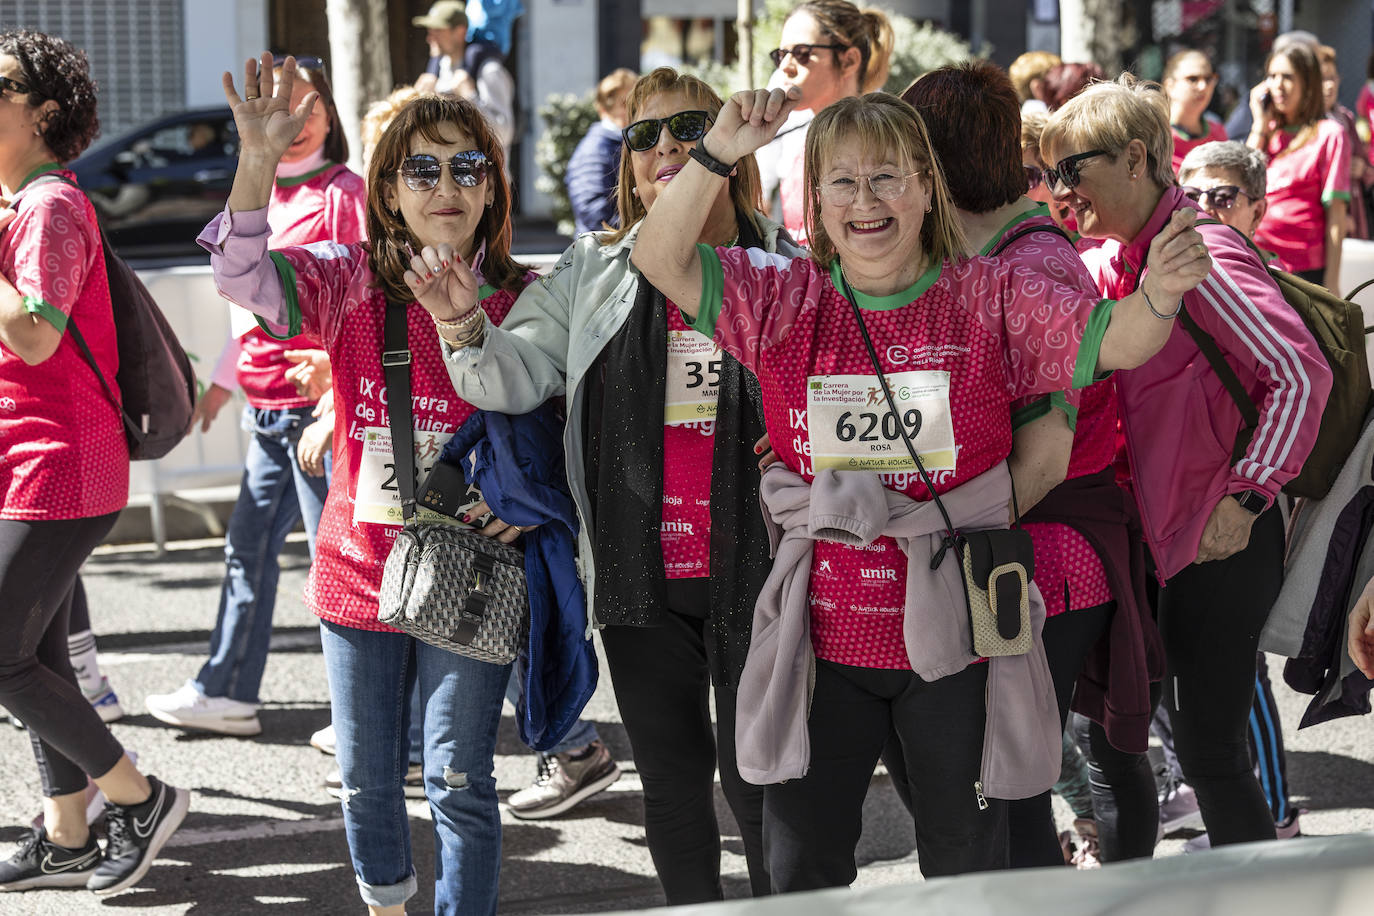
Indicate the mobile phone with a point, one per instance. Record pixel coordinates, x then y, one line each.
1267 100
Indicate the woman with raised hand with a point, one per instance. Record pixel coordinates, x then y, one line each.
64 475
959 340
1189 81
660 450
438 228
1206 506
1309 167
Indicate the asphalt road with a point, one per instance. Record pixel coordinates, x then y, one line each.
263 835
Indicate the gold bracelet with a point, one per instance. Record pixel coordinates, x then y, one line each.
467 339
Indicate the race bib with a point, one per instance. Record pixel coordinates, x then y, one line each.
378 499
693 378
851 428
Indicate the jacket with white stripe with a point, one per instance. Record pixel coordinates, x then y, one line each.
1179 421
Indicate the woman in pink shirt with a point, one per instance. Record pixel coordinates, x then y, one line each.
1189 81
64 474
1309 167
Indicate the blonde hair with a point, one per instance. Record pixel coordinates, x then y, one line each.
884 125
869 30
1029 67
380 114
1110 115
1032 126
746 190
613 84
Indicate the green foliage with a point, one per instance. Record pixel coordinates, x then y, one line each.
567 118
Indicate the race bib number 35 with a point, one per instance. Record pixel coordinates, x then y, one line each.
378 499
693 378
851 428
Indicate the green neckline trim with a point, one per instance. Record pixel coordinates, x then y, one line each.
302 179
896 300
1037 210
42 169
485 290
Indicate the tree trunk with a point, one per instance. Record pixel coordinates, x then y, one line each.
744 24
1100 31
360 71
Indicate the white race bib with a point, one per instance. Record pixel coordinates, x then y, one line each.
851 428
378 499
693 378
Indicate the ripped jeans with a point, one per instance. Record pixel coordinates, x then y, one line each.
370 674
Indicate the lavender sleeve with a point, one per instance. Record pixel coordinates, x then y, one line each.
244 272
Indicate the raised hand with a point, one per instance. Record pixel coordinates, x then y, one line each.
266 124
442 283
748 121
1178 261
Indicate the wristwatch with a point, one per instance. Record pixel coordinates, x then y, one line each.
712 164
1252 501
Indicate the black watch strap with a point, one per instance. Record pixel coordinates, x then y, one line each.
1252 501
711 163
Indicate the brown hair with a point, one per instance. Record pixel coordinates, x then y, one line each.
1067 80
335 143
887 126
613 84
1176 60
1302 57
426 117
746 191
866 29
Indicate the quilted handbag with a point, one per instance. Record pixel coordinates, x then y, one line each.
444 585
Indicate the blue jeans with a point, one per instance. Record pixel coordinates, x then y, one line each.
275 494
370 676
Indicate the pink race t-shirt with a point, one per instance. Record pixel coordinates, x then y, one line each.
328 204
62 448
1302 183
958 348
689 438
1364 106
1185 143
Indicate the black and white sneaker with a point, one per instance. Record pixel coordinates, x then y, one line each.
42 863
136 834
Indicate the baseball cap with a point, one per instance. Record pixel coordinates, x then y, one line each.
445 14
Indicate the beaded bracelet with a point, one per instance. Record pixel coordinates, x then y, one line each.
1160 315
462 322
467 337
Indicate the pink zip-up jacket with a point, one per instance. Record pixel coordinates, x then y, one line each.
1179 421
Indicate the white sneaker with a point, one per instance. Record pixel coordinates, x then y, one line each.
189 708
323 740
105 702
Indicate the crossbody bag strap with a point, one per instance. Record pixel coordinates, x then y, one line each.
951 535
1022 233
396 366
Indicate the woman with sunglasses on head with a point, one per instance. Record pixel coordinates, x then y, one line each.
64 475
1309 167
830 49
1189 81
315 198
960 339
1209 518
672 548
438 218
1089 560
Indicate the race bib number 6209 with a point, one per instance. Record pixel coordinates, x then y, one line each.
851 428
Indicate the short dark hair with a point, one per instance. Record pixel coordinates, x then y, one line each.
335 143
973 116
56 69
1067 80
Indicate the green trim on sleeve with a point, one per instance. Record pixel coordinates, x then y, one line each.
43 309
287 273
712 292
1328 196
1029 413
1060 401
1085 369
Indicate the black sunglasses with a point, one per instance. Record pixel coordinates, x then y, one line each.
683 125
800 53
1067 169
1222 197
422 172
1033 177
9 85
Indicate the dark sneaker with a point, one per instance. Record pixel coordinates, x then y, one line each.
136 835
563 780
42 863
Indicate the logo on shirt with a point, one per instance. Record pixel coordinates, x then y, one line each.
825 567
678 528
889 575
8 404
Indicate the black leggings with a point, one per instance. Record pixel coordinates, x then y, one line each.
38 566
661 678
1125 800
812 825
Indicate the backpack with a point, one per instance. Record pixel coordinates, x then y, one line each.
156 381
1338 326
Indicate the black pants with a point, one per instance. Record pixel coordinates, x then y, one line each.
38 566
661 678
1125 800
812 825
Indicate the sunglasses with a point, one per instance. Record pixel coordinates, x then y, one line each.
1033 177
800 53
1222 197
683 125
9 85
303 63
422 172
1067 169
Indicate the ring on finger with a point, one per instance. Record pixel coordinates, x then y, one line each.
251 98
1201 250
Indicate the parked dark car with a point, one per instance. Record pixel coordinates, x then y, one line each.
155 188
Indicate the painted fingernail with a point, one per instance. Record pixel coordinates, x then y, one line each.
466 518
758 450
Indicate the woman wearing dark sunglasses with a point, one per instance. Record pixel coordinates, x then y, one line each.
830 49
660 435
438 221
1209 518
850 642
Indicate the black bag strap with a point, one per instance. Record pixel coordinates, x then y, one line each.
1023 232
396 366
951 537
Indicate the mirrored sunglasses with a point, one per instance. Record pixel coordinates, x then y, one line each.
422 172
683 125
